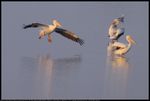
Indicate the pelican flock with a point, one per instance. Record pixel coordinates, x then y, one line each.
48 29
115 32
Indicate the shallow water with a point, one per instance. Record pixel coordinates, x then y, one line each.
35 69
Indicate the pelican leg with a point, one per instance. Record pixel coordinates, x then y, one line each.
49 38
41 34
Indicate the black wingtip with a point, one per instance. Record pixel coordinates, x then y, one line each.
28 26
80 41
24 26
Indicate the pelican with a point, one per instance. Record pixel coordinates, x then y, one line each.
121 48
119 19
115 60
114 32
117 33
70 35
48 29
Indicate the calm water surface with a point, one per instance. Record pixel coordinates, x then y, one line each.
35 69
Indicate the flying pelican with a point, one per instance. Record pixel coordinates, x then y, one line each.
70 35
121 48
114 32
48 29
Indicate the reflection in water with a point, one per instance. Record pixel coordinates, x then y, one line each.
45 68
65 77
46 73
39 71
119 62
116 75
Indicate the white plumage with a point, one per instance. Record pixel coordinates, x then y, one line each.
48 29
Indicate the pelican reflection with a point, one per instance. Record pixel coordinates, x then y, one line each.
65 70
48 74
120 62
116 75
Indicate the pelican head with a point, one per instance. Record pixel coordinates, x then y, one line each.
130 39
121 19
55 22
115 22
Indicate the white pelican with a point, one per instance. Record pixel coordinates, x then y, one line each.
121 48
119 20
48 29
70 35
114 32
117 33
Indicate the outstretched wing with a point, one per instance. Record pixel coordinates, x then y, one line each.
70 35
35 25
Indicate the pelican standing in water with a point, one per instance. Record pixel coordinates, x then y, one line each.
48 29
121 48
114 32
